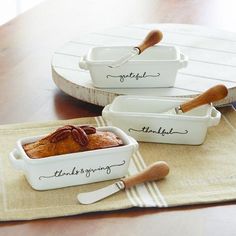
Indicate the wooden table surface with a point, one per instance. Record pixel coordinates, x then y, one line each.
28 94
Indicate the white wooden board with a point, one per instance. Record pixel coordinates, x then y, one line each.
212 60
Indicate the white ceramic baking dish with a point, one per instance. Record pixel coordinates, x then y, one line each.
144 118
155 67
75 168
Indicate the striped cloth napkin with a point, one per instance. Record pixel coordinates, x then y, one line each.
198 174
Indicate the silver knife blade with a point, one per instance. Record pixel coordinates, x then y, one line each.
125 58
94 196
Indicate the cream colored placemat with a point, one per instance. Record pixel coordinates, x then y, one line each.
198 174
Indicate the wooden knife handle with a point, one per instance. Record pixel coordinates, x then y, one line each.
213 94
153 37
156 171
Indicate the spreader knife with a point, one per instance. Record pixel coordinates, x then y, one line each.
156 171
213 94
153 37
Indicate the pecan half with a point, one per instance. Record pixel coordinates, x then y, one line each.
80 136
59 135
88 129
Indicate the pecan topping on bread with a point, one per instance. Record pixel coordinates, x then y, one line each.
79 134
70 139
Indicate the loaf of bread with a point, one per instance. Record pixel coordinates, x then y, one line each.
70 139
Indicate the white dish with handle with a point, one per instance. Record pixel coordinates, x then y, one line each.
145 118
155 67
74 168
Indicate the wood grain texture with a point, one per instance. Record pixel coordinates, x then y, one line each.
213 94
156 171
152 38
27 93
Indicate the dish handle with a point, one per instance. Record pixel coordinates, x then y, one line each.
16 160
134 142
106 114
214 118
183 62
83 63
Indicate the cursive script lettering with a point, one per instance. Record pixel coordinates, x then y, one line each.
132 75
82 171
161 131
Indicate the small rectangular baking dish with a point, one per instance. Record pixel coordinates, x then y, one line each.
145 119
74 168
155 67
